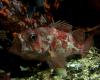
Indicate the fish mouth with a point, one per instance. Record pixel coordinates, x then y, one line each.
17 44
20 45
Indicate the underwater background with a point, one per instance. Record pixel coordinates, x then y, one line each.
20 15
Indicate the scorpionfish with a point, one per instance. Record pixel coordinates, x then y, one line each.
52 44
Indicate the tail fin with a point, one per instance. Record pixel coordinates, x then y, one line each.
86 46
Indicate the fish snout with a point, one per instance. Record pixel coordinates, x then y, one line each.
16 45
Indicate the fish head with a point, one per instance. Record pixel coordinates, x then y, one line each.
31 43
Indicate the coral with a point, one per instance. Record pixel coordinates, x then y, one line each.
47 6
56 3
34 6
12 14
14 17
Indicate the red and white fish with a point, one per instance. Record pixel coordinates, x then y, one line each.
51 44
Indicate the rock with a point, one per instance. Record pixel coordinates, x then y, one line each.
45 75
60 72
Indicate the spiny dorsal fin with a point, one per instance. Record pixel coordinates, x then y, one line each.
64 26
78 35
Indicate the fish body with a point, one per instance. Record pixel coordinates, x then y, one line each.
51 44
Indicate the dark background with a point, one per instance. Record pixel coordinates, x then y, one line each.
82 13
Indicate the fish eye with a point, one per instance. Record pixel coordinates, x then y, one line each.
34 37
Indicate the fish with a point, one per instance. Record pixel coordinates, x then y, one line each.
52 44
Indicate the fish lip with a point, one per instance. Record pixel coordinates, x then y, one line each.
20 45
17 44
21 41
24 47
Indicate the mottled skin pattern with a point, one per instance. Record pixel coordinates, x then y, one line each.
49 44
61 42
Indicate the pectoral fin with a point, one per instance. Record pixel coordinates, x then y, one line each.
56 60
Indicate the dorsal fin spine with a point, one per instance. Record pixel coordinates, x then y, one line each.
63 26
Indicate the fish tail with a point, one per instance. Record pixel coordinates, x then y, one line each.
86 46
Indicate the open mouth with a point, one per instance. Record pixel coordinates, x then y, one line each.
17 44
